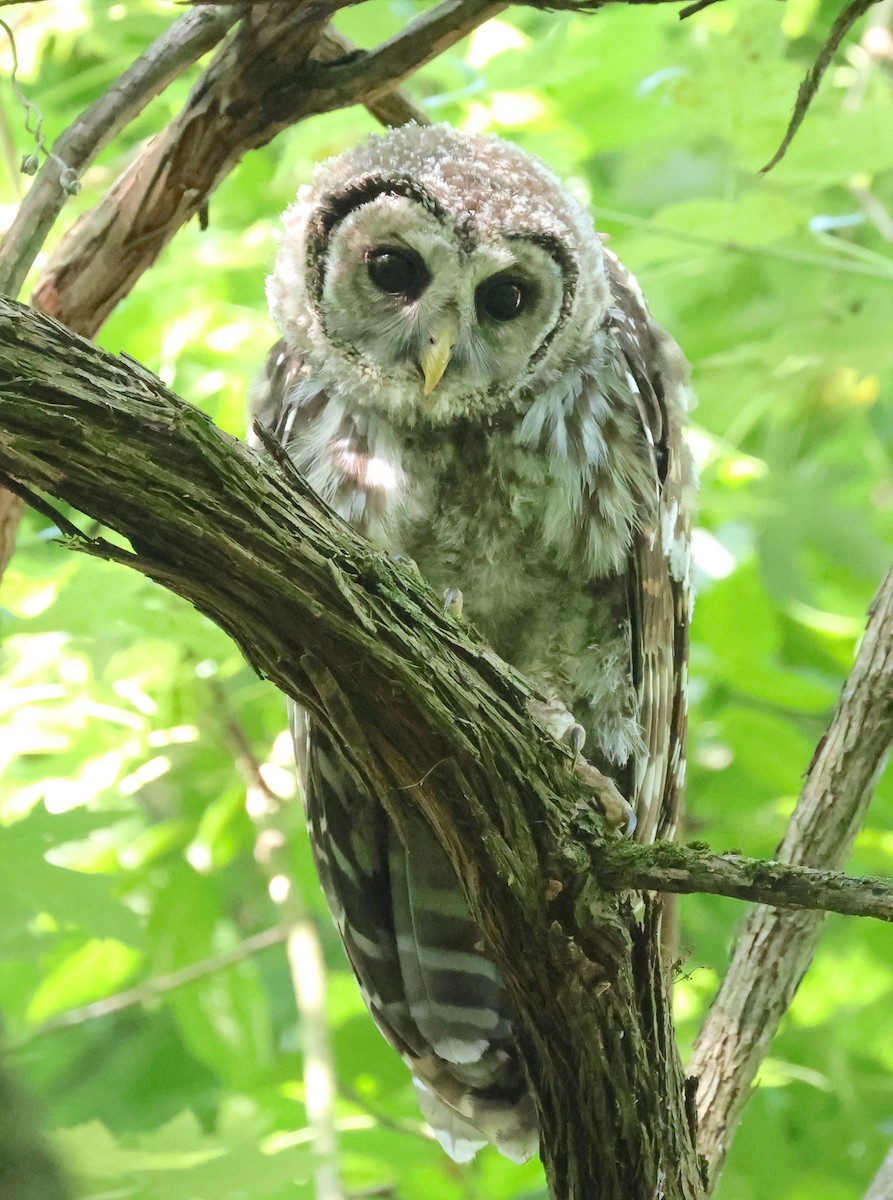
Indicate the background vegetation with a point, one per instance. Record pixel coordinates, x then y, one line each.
131 729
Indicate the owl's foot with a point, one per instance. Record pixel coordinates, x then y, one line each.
562 725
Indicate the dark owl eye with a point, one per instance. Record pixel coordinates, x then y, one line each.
502 298
397 271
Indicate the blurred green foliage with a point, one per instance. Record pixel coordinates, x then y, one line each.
126 849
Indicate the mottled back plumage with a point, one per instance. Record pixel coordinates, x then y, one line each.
472 380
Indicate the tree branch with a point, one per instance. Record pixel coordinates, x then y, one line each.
882 1185
808 89
421 714
280 65
775 948
371 74
669 867
158 985
186 40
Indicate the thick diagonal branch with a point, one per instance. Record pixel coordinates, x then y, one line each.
424 716
775 948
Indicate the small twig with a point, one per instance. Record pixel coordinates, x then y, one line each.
668 867
801 258
810 85
698 6
151 989
39 504
415 1129
391 108
273 855
376 73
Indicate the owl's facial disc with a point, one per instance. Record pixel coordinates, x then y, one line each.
438 318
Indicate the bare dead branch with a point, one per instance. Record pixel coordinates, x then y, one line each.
775 948
669 867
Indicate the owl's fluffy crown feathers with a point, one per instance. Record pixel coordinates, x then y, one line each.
481 193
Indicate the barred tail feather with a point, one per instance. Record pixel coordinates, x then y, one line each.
455 994
508 1125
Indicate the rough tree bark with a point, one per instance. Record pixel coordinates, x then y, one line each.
428 718
425 716
421 709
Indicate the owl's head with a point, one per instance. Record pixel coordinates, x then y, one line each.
429 273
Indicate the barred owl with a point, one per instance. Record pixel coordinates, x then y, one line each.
471 379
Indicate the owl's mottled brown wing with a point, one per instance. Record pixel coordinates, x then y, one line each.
268 402
659 588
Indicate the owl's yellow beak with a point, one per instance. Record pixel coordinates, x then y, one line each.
434 360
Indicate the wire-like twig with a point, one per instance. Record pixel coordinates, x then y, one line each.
810 85
159 985
801 258
416 1129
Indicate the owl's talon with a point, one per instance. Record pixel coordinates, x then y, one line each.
617 811
575 736
453 602
558 722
